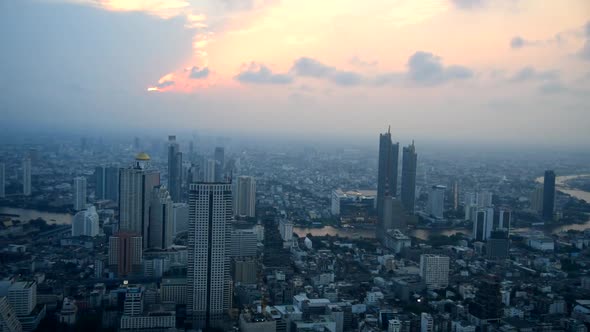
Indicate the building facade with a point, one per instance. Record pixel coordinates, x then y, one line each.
409 165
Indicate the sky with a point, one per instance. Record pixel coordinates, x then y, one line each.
493 71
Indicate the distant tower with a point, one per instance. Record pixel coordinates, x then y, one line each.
125 253
85 223
548 195
27 176
483 223
220 163
135 191
161 230
2 180
210 171
386 176
79 193
107 182
174 169
409 164
245 197
208 278
436 201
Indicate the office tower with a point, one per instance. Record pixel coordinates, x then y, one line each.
2 180
409 164
22 297
487 304
436 201
245 197
107 182
426 322
483 223
86 223
386 176
497 245
174 169
434 270
484 199
209 171
245 270
455 194
208 286
125 253
135 191
27 176
504 217
8 319
243 243
180 217
79 197
161 227
548 195
469 201
219 163
394 215
133 304
537 199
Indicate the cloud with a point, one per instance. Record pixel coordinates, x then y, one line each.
468 4
164 84
427 69
529 73
584 53
260 74
552 87
199 73
308 67
356 61
517 42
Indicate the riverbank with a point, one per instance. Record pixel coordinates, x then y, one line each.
25 215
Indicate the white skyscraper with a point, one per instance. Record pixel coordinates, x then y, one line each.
436 201
434 270
245 197
22 297
27 176
208 281
135 192
79 194
86 223
161 228
2 180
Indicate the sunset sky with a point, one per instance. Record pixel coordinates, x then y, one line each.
477 70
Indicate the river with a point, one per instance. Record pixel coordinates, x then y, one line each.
424 234
27 214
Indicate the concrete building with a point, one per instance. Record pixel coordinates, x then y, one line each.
8 319
68 312
180 216
394 215
209 170
22 297
257 322
434 270
208 277
395 240
484 199
136 184
245 270
549 195
409 165
86 223
152 321
79 193
243 243
286 230
426 322
125 253
173 290
161 219
27 189
245 197
436 201
353 206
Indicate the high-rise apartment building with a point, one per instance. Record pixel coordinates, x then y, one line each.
2 180
548 195
484 199
135 192
125 253
434 270
483 223
245 197
426 322
436 201
79 193
86 223
107 182
208 278
174 169
8 319
386 176
180 216
22 297
409 165
27 176
161 227
219 156
210 170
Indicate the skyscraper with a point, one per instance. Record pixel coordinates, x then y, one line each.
107 182
161 228
27 176
210 171
245 197
79 194
208 282
434 270
409 164
85 223
125 253
219 163
174 169
386 175
135 191
548 195
2 180
483 223
436 201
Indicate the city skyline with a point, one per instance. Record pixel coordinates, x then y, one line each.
232 66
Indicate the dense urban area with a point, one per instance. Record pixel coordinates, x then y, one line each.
221 234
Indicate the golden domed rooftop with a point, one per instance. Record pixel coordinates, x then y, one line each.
142 156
